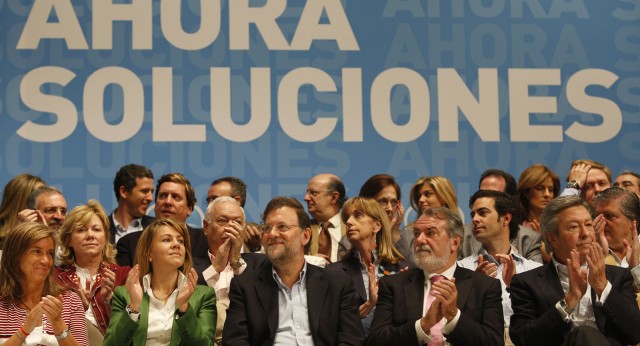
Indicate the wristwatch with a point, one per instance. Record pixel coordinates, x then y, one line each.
565 307
573 185
63 335
239 264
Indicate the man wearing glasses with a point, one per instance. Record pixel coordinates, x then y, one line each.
289 301
224 225
325 196
45 205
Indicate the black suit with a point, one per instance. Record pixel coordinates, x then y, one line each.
401 301
252 317
536 321
126 246
146 220
253 260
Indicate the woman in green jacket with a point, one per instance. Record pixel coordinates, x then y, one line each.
160 303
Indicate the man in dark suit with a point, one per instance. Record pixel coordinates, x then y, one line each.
133 186
175 198
575 299
290 301
224 224
438 301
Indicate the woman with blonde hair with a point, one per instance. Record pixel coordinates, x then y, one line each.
14 199
87 263
34 309
160 302
431 192
372 254
537 186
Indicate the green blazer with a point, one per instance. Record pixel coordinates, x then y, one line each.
196 327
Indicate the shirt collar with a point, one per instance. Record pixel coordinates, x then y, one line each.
448 273
485 255
146 281
276 277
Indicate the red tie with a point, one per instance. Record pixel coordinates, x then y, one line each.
436 330
324 239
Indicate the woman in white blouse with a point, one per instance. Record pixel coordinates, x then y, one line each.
160 303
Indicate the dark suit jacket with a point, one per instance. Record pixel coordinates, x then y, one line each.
126 246
146 220
527 242
350 265
536 321
252 317
253 260
401 300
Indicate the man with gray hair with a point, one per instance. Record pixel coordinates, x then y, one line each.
46 205
224 224
617 226
575 299
438 301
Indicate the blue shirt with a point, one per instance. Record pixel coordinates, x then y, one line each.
293 312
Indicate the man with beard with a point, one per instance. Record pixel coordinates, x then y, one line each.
438 301
45 205
575 299
289 301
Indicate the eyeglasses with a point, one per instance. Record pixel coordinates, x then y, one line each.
55 210
314 193
266 229
384 202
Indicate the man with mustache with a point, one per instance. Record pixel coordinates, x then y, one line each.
438 302
46 205
290 301
575 299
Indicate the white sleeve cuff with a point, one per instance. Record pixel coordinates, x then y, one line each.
423 338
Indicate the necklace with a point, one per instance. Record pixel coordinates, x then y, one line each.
164 299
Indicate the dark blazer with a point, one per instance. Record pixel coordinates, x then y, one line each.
350 265
252 317
146 220
253 260
536 321
401 301
126 246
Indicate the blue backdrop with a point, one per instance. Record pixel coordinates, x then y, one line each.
276 91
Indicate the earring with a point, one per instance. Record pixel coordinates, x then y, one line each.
149 259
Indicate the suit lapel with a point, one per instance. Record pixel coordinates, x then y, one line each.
550 282
352 267
267 292
463 286
140 338
414 295
317 287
